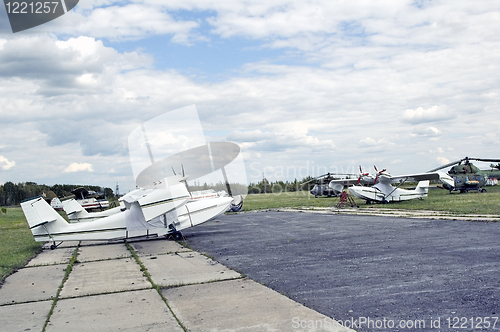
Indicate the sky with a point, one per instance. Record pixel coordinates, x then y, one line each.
303 87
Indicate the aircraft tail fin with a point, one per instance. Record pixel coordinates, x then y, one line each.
42 218
423 187
73 209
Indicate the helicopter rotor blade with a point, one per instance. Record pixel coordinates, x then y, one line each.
460 161
447 165
316 178
486 160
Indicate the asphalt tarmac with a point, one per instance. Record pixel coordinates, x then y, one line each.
370 273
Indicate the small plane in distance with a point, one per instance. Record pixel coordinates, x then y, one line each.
383 191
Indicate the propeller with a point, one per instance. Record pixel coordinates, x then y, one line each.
361 174
184 179
378 173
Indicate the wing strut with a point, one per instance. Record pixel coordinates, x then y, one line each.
399 185
53 245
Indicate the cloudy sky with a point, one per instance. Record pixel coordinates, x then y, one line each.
304 87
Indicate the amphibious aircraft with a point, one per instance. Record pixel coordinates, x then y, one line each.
383 191
200 201
152 212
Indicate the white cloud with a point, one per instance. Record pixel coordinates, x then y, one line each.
491 139
443 160
79 167
369 142
432 114
5 164
282 138
426 132
338 79
128 22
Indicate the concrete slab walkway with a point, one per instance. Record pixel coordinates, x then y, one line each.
151 285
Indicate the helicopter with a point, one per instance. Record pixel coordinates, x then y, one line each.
325 187
466 175
321 187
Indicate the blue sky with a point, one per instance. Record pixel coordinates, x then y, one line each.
299 85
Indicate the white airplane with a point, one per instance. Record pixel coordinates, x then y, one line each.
145 213
201 207
383 190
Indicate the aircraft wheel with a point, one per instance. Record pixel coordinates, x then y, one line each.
52 246
482 190
177 236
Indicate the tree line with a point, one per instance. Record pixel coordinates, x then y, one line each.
15 193
265 186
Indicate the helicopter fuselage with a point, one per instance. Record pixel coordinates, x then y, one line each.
466 182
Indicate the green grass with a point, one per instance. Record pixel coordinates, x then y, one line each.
438 200
17 245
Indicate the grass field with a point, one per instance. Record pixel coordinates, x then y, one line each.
438 200
17 245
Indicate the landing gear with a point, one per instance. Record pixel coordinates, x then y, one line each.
54 245
174 234
177 236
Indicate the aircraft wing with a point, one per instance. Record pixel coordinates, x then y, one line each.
155 202
345 182
438 176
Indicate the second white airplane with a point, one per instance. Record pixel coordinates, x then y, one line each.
385 192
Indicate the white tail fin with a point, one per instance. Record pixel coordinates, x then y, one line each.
74 210
42 218
423 187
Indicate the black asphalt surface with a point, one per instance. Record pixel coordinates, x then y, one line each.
371 273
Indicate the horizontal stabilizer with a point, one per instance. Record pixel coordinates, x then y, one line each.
423 186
